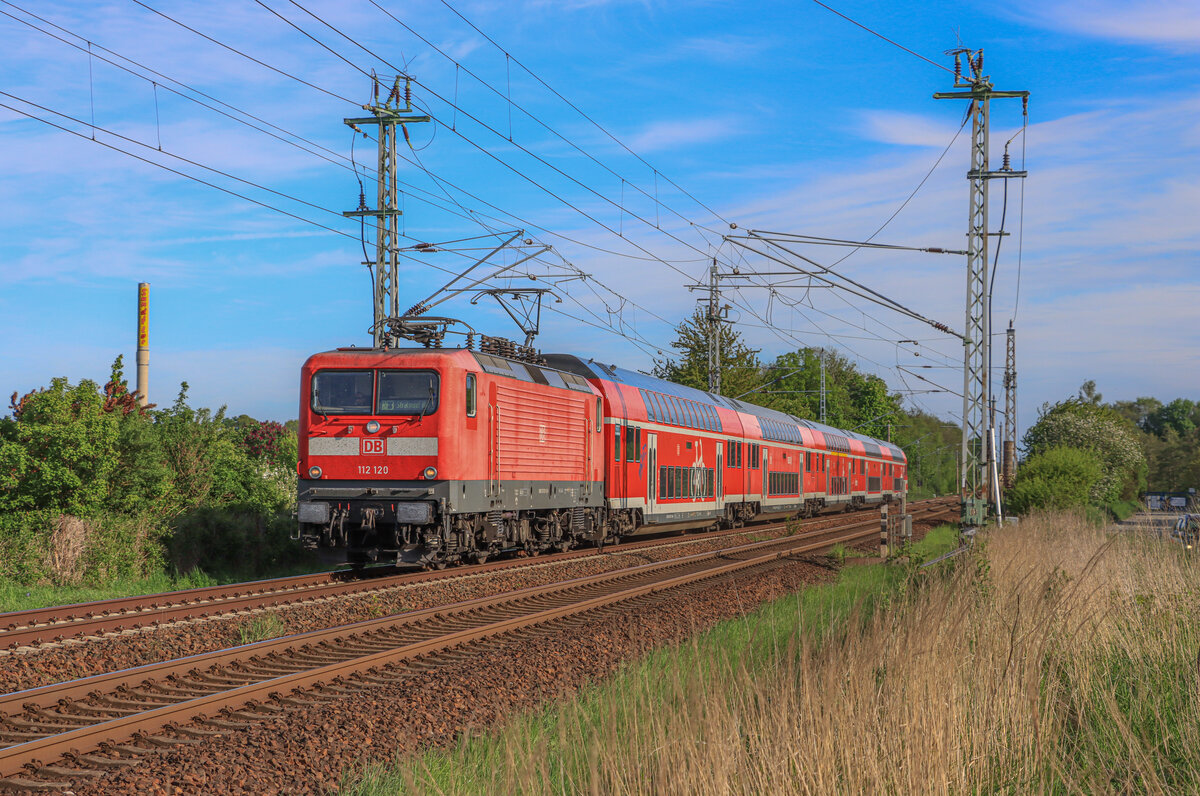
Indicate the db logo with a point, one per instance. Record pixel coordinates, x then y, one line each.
371 447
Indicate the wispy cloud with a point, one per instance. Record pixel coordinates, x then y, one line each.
905 129
668 134
1172 23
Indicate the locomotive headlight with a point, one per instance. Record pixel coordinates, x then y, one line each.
372 426
430 473
314 472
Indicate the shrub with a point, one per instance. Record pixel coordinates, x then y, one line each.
1059 478
1100 430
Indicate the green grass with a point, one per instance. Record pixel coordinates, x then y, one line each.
22 596
563 733
260 628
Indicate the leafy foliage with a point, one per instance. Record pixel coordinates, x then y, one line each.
854 401
1058 478
740 366
1090 426
133 483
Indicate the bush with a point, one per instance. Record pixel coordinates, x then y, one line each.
1102 431
94 487
61 549
1059 478
232 541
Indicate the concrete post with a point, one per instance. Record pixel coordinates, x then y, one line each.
883 531
143 344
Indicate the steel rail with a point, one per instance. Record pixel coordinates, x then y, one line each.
581 598
57 623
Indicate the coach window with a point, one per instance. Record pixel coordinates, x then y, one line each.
407 392
616 443
470 395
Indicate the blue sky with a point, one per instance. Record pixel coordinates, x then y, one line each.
776 115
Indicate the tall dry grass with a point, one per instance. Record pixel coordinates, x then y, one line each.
1056 658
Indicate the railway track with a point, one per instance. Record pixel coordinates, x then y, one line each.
73 732
25 630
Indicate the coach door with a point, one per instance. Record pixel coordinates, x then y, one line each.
719 486
765 492
651 472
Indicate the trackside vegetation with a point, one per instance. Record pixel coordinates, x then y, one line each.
100 497
565 748
1055 657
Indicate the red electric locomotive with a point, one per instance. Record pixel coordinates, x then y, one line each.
434 456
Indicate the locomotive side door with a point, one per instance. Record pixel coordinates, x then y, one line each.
651 471
493 443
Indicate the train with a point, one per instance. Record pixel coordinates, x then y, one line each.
436 456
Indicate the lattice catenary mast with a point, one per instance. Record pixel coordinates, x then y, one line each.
978 457
388 115
1009 446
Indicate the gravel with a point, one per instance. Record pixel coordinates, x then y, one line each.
309 749
86 657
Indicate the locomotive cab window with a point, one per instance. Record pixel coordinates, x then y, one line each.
599 414
407 392
342 392
470 395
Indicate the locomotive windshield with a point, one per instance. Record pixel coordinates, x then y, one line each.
407 392
342 392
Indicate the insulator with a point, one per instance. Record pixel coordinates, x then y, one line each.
407 92
470 341
362 201
1007 161
957 66
416 309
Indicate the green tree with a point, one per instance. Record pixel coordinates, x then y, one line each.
741 370
1175 416
60 450
932 446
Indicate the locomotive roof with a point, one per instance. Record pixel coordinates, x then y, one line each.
592 370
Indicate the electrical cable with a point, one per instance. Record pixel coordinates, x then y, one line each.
885 38
524 149
244 55
578 110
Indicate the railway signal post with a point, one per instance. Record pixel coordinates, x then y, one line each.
978 455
